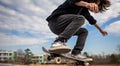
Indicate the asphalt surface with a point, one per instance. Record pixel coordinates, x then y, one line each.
1 64
10 65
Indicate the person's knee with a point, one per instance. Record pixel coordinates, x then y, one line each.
85 31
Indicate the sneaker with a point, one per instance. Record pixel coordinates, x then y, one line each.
84 58
59 47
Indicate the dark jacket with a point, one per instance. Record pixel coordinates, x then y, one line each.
69 7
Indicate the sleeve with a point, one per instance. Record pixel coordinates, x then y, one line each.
73 1
89 18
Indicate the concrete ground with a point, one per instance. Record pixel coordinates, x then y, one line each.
1 64
66 65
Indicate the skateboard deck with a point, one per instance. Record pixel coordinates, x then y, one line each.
63 55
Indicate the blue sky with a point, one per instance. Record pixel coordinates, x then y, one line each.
23 25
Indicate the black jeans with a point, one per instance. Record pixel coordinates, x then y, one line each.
69 25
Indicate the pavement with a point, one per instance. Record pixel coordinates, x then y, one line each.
1 64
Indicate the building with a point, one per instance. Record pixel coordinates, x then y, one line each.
38 58
6 55
11 56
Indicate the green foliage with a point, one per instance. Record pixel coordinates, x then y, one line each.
28 56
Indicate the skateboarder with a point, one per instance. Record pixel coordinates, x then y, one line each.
67 19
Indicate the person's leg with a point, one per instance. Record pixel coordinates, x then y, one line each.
76 52
76 22
65 27
82 35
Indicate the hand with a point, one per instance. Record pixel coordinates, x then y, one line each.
101 31
93 7
104 33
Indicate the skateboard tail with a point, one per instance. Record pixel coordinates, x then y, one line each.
45 50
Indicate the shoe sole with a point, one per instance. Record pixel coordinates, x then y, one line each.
60 50
88 59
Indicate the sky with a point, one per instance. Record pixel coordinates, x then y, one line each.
23 25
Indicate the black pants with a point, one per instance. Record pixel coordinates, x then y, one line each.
69 25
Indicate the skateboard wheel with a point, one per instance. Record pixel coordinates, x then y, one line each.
47 58
58 60
86 64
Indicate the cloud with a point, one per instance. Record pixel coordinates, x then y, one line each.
24 16
15 40
114 28
28 16
22 23
112 12
8 39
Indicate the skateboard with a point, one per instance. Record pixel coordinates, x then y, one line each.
59 57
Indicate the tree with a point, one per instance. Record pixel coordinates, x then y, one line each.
28 56
114 59
19 56
118 49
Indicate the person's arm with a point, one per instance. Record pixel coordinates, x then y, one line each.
101 31
82 3
91 6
